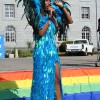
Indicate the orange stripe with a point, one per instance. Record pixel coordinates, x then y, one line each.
80 72
22 75
17 75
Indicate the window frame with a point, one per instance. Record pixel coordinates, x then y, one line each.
86 13
11 9
86 34
10 34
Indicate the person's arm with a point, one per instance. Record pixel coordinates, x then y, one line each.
67 14
43 30
50 17
55 23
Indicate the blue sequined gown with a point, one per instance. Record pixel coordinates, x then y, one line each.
45 56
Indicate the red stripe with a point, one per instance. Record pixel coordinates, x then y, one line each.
80 72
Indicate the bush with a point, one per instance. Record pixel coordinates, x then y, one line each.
62 47
62 53
24 53
7 52
29 45
96 52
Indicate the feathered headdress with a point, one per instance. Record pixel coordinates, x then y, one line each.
32 10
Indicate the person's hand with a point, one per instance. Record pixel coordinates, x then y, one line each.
58 3
51 11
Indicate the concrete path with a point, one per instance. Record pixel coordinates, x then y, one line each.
12 64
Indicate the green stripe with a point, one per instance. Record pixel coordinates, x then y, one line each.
78 88
70 89
8 85
15 84
14 93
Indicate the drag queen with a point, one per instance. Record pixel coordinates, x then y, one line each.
46 17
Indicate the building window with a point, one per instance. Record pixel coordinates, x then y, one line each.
85 13
86 33
9 10
10 35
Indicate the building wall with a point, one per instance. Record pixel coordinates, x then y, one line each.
75 32
22 35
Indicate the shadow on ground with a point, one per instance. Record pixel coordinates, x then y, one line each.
8 90
80 65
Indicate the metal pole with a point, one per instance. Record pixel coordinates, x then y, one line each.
96 26
97 34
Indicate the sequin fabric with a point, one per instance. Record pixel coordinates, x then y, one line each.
45 56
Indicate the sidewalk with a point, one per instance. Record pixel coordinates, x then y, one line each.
13 64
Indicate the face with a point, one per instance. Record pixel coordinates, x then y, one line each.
47 4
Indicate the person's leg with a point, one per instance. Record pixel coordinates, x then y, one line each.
57 81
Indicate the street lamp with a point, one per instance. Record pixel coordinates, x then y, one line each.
97 30
96 25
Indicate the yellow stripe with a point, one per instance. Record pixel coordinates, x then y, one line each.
16 84
65 81
79 80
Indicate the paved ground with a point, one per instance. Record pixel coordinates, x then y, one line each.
9 64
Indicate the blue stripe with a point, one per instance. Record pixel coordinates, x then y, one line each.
83 96
76 96
24 98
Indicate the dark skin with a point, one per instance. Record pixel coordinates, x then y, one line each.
50 9
47 7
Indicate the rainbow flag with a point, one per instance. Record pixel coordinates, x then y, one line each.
81 84
15 85
78 84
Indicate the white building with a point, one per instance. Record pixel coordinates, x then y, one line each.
12 26
85 14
